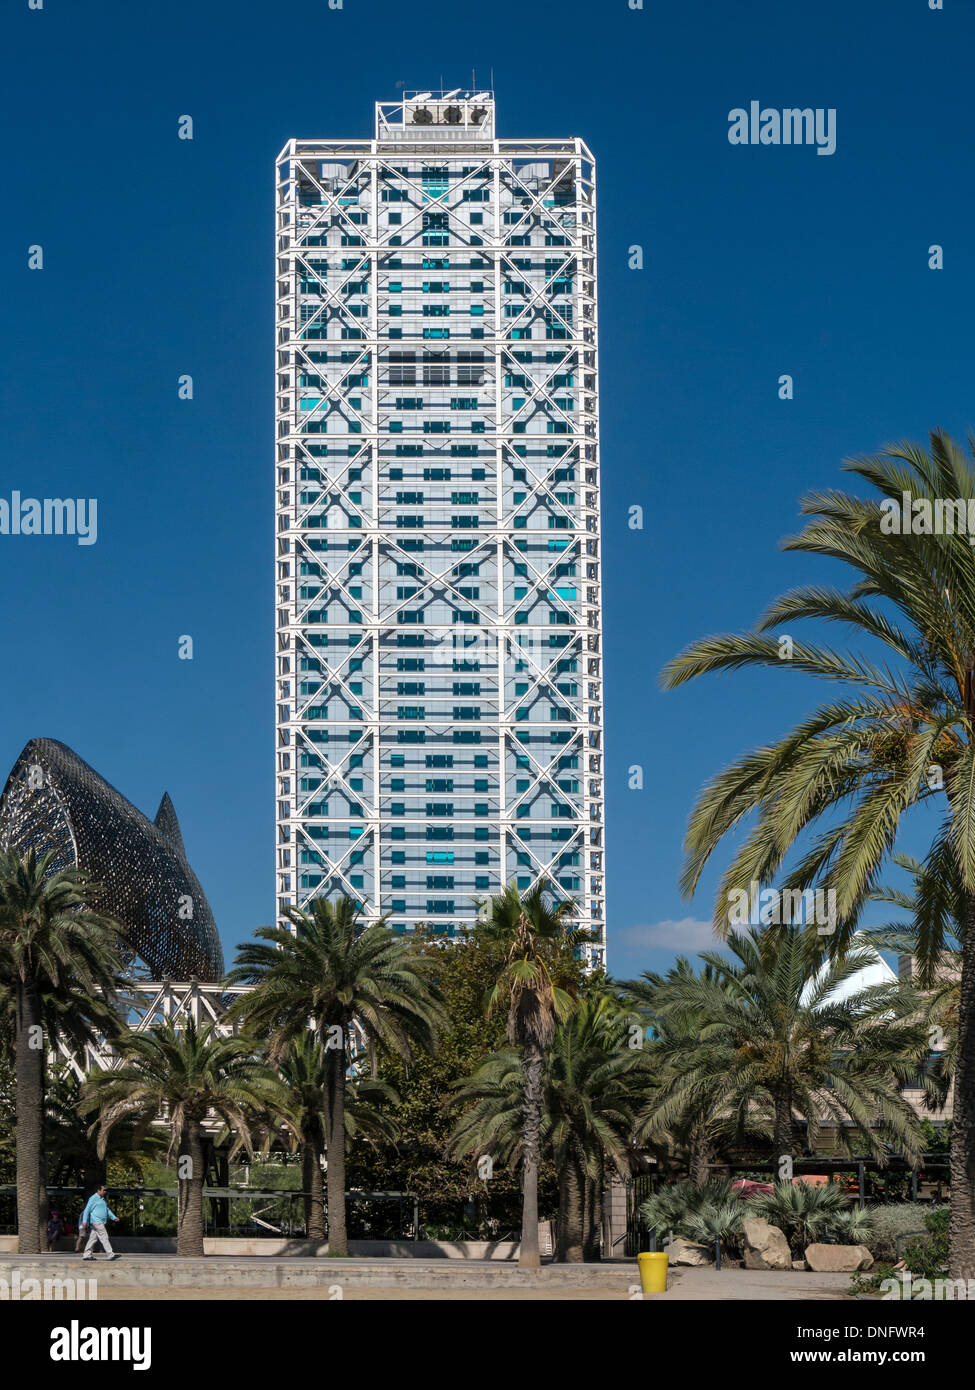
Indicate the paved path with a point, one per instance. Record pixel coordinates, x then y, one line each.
258 1278
363 1295
227 1275
752 1285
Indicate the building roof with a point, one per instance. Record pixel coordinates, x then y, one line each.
875 972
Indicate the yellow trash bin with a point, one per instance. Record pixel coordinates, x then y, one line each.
653 1272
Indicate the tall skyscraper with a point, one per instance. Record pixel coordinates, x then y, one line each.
439 646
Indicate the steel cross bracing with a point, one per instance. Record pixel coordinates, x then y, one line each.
486 547
145 1003
148 1002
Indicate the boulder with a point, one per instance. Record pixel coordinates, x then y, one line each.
765 1245
686 1252
838 1259
799 1264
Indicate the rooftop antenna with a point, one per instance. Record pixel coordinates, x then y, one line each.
492 79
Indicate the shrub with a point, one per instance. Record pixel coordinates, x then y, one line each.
890 1221
805 1214
937 1220
703 1214
718 1219
873 1280
927 1257
855 1226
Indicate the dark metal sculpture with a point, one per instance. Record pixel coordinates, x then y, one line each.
54 801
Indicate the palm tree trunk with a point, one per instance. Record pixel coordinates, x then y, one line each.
338 1241
962 1225
189 1228
29 1076
783 1126
532 1064
700 1158
571 1231
592 1242
586 1203
313 1188
43 1203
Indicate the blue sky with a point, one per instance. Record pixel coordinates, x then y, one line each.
758 261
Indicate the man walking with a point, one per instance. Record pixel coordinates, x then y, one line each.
94 1216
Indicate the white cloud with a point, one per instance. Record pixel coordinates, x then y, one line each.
683 937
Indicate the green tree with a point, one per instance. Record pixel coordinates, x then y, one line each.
902 736
298 1103
535 933
699 1131
73 1148
776 1046
452 1199
183 1077
59 966
590 1087
8 1120
348 979
935 902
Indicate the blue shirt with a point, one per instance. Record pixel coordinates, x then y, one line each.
96 1210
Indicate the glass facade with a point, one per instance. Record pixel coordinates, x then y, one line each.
439 662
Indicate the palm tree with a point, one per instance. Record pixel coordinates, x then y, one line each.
777 1044
590 1087
937 975
73 1149
701 1131
904 735
183 1078
593 1081
299 1104
343 977
537 936
59 966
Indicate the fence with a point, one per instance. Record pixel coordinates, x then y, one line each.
231 1211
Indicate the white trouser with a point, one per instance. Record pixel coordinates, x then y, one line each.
98 1232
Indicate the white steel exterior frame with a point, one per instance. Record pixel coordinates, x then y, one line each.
345 263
